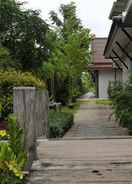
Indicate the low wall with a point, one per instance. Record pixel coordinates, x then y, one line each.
31 108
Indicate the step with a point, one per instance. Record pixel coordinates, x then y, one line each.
42 139
63 171
83 161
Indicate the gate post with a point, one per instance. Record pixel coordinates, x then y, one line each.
31 109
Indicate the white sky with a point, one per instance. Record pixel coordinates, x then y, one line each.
93 13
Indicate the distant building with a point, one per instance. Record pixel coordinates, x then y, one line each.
103 70
119 43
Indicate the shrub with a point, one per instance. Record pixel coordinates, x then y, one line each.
12 155
121 96
10 79
114 89
13 78
10 169
4 135
59 123
16 139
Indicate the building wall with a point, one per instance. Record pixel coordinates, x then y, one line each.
125 70
104 78
118 75
96 83
125 75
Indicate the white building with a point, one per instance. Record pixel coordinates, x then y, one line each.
104 71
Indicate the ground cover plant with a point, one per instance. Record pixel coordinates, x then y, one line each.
12 155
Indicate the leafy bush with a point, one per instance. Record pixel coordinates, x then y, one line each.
121 96
13 78
16 139
4 135
114 89
10 169
10 79
12 155
59 123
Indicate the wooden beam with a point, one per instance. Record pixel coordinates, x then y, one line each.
117 64
127 34
123 50
120 59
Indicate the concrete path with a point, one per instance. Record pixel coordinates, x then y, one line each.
93 120
95 151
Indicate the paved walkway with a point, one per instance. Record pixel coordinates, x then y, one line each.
93 120
95 151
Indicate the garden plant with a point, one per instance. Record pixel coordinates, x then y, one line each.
12 155
120 94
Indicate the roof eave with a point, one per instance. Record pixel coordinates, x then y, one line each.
111 13
112 34
127 19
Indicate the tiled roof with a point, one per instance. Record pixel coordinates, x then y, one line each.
98 60
98 45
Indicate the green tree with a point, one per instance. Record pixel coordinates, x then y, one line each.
70 54
6 61
23 32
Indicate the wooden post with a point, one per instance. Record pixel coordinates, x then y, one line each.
31 109
41 113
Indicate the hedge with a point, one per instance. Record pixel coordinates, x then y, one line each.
59 123
10 79
13 78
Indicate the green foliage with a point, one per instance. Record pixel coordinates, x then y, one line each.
87 83
9 9
5 59
10 168
4 135
70 54
58 54
16 139
59 123
121 97
10 79
114 89
23 32
12 155
1 108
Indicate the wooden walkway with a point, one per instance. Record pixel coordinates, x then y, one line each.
86 159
